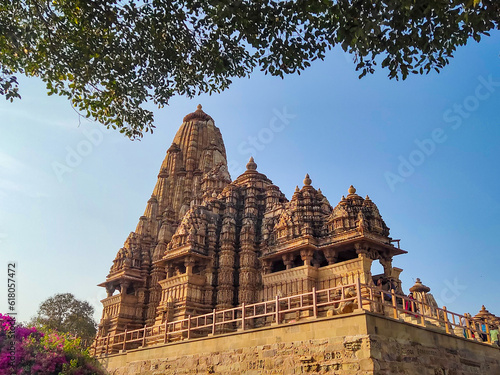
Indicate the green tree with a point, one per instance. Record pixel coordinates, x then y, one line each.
110 57
64 313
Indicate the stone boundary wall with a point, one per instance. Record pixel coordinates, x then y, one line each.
401 348
361 343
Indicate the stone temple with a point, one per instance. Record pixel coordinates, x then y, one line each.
207 244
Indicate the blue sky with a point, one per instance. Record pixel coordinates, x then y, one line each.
426 151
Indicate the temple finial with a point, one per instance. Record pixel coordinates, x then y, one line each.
197 115
352 190
307 180
251 165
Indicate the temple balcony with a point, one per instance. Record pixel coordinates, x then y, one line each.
288 282
345 272
181 280
183 293
303 278
121 305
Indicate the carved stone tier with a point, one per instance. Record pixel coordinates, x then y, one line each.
285 283
345 273
120 312
121 305
181 296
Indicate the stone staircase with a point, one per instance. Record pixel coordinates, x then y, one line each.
417 320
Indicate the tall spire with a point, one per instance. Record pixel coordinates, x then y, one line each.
197 149
194 168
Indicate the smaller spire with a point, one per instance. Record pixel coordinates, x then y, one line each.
307 180
419 287
484 314
199 107
297 189
351 190
174 147
163 173
251 165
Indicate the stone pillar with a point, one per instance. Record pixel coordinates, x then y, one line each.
124 286
287 260
248 277
157 275
248 257
266 266
169 270
307 256
387 264
331 256
189 264
225 280
361 249
110 289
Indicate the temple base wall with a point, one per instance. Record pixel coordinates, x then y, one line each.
402 348
361 343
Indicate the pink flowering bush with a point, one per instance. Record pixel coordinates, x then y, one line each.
28 351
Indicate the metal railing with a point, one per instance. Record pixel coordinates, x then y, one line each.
289 310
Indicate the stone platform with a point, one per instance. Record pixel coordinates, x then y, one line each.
360 343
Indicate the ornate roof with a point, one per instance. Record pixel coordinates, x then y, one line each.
419 287
356 213
485 315
304 214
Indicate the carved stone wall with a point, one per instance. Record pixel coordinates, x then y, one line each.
340 345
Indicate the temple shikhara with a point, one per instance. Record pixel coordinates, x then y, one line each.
207 243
